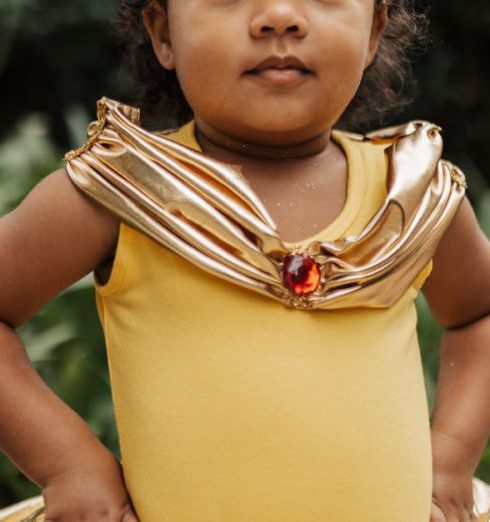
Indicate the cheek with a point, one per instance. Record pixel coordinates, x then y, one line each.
344 51
205 68
342 67
209 68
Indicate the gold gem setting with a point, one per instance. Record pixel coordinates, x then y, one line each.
458 176
94 130
299 302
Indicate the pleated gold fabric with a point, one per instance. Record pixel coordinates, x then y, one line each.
206 211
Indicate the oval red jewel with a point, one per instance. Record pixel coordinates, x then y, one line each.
301 274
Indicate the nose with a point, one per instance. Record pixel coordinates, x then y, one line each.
278 17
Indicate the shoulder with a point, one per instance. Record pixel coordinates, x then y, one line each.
53 238
185 134
412 138
364 153
456 281
458 288
58 201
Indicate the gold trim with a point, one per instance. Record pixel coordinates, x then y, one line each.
297 302
94 129
458 176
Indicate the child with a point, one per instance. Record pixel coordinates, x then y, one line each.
255 274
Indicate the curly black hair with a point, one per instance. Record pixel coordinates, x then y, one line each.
387 85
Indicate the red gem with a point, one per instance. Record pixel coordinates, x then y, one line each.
301 274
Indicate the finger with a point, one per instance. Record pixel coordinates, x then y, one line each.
468 515
450 513
129 516
436 514
446 514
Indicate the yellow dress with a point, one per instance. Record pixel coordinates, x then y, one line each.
244 410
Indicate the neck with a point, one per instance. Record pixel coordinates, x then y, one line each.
225 147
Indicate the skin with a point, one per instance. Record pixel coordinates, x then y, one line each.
333 38
281 130
279 137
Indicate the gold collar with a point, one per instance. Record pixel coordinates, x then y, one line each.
205 211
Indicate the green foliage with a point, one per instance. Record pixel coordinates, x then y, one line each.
57 58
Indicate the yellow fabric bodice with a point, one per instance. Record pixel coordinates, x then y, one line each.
231 407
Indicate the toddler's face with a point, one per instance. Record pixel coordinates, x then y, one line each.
214 44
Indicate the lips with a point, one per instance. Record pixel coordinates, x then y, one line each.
280 72
281 62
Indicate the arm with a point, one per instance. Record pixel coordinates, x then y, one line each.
39 433
52 239
460 421
458 293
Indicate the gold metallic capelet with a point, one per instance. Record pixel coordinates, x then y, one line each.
205 211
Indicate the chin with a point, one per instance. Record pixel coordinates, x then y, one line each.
282 130
266 126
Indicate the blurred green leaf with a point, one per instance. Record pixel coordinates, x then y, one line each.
41 345
25 158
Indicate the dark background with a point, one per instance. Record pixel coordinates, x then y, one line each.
57 58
